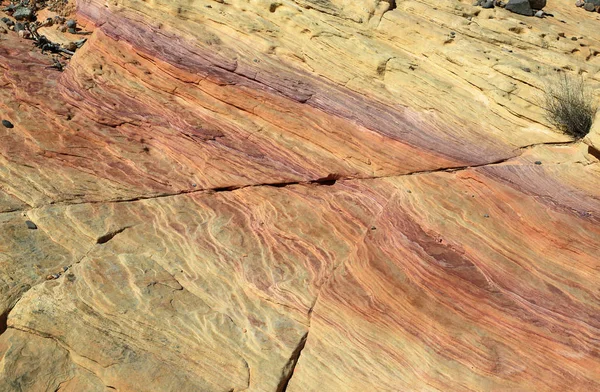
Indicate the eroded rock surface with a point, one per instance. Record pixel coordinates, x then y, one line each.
298 196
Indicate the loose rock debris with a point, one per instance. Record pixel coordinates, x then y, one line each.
26 25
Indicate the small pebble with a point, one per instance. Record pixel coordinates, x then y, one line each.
7 124
194 185
409 191
373 228
72 30
486 216
72 46
538 162
31 225
71 23
65 269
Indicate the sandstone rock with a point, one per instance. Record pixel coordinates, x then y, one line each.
320 198
520 7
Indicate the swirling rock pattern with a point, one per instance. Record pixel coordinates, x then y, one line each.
298 196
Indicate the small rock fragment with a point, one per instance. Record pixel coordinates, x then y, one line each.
72 46
31 225
579 3
488 4
539 14
486 216
589 7
538 162
7 124
23 13
71 23
72 30
24 33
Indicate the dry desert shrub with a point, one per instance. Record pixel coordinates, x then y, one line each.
569 105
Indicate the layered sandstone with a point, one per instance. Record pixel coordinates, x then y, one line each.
299 195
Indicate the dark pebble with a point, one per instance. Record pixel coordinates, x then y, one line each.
373 228
486 216
71 23
31 225
72 30
538 162
7 124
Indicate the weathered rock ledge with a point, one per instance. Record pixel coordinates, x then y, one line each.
299 195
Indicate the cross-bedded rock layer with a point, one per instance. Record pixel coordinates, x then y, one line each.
300 196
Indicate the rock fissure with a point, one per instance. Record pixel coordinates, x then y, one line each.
110 235
288 371
329 180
